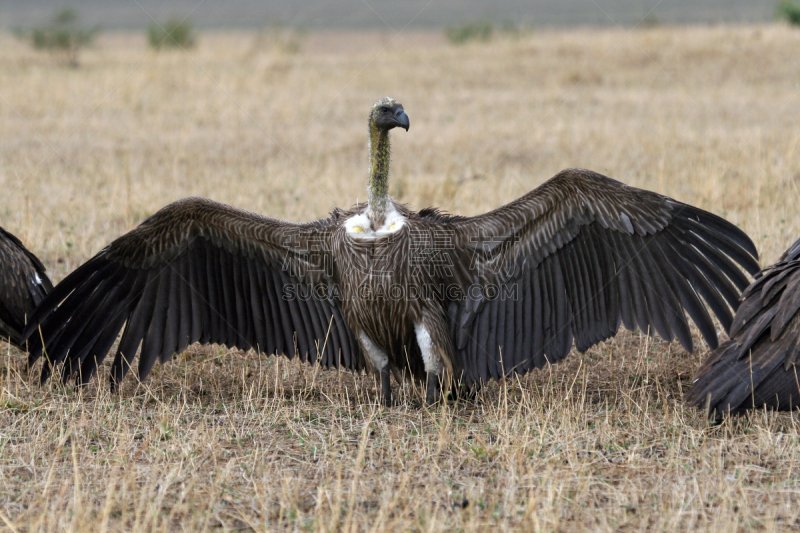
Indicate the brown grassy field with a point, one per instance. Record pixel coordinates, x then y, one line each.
223 440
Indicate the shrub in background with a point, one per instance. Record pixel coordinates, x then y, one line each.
480 30
485 30
62 36
172 33
789 10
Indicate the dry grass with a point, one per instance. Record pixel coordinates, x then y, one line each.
224 440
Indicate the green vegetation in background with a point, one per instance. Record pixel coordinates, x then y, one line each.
172 33
789 10
62 36
482 31
479 30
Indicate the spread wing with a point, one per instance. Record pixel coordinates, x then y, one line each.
23 284
576 256
757 365
197 271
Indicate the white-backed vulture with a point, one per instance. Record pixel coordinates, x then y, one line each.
447 299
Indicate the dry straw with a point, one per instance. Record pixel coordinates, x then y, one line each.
222 440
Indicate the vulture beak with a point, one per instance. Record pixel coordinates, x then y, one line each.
402 119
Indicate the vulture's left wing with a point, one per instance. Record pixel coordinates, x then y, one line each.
579 254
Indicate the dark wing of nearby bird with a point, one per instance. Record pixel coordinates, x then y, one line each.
197 271
576 256
757 365
23 284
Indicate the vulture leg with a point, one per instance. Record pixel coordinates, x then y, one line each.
386 386
433 390
432 345
380 363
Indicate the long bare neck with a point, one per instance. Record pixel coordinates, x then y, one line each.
379 160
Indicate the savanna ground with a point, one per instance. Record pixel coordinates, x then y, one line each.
223 440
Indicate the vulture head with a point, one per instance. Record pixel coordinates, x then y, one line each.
387 113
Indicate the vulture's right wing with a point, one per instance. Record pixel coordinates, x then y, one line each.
197 271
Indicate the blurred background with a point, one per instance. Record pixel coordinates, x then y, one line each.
382 13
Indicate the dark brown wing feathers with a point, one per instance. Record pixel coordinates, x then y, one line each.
757 365
587 253
570 261
23 284
195 271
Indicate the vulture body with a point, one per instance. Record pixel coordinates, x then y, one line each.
423 295
23 284
757 366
